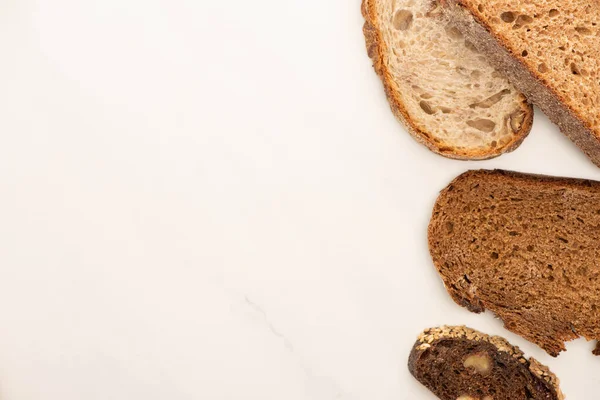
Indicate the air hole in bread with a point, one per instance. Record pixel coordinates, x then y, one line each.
483 125
425 106
453 33
522 20
543 68
583 30
553 13
471 47
403 20
575 69
490 101
508 16
517 118
525 53
480 8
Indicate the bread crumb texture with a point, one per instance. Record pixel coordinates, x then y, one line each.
439 85
525 247
559 41
456 362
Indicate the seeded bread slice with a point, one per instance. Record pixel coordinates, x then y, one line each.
525 247
444 91
458 363
549 49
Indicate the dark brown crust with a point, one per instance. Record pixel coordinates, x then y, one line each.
552 342
597 349
433 336
376 47
527 81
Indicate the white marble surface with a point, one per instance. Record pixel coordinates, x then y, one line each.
211 200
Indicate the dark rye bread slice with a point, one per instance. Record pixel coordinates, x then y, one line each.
525 247
548 49
458 363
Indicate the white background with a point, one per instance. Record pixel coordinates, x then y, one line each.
212 200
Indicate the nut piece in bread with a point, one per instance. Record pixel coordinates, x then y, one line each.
439 357
525 247
444 91
480 362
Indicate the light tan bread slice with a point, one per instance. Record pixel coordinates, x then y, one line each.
444 91
525 247
550 50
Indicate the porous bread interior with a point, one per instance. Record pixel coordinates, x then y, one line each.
559 41
525 247
431 336
449 90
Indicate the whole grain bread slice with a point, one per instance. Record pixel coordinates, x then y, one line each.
444 91
549 49
459 363
526 247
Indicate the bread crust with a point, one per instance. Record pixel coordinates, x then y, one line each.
433 336
476 29
467 275
376 48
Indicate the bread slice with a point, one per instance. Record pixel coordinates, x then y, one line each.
458 363
526 247
549 49
439 86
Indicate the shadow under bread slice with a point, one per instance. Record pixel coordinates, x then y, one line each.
459 363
